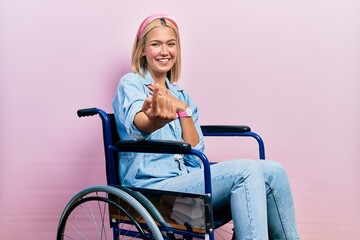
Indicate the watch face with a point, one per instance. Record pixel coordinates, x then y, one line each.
188 111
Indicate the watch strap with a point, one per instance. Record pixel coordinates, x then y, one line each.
185 114
182 114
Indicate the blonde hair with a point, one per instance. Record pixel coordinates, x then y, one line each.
138 61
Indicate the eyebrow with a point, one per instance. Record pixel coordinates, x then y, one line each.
157 40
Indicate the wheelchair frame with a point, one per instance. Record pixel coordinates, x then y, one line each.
136 198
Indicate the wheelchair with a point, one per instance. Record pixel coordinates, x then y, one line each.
117 212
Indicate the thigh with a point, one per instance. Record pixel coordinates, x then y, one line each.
224 175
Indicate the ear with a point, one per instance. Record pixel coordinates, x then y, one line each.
143 52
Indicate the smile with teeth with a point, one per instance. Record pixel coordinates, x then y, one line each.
164 60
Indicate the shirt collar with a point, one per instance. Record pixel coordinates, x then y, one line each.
173 87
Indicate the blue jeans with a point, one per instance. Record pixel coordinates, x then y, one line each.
258 192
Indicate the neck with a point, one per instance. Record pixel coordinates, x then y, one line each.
159 79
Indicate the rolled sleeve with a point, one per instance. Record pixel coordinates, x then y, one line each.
127 103
132 130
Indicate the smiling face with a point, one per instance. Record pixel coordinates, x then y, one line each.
160 51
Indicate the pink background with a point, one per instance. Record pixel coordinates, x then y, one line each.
289 69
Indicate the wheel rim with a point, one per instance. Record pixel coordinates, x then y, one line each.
89 218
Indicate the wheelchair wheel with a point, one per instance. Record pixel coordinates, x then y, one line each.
106 212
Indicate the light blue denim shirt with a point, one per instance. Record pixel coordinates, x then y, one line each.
144 169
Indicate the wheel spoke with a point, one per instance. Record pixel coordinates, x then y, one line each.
77 229
88 216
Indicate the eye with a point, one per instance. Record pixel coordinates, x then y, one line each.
172 44
154 44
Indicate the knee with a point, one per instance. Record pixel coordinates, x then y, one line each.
239 168
273 170
277 168
247 168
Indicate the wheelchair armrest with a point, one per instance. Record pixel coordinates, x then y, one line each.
232 131
224 130
150 146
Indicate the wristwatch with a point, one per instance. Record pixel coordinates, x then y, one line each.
185 114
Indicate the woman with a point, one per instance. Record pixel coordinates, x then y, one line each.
149 105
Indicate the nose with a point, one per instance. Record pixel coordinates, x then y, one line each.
164 50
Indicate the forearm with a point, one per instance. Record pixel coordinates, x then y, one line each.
190 134
143 123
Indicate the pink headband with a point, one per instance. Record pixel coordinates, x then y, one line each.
151 18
